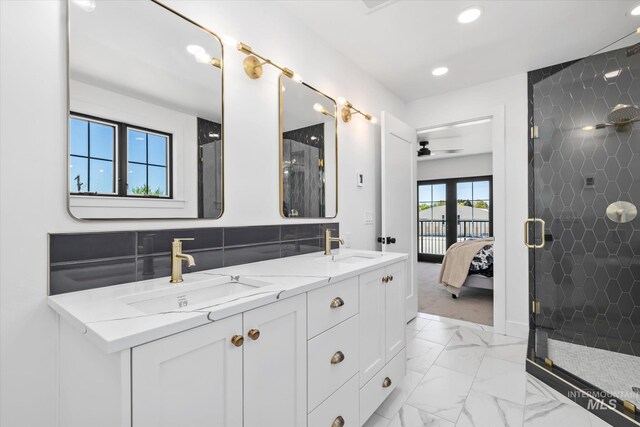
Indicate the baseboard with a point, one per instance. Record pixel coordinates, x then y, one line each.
517 329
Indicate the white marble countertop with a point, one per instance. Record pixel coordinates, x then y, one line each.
112 318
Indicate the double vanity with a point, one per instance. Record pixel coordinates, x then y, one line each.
309 340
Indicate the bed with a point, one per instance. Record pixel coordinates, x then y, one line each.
468 263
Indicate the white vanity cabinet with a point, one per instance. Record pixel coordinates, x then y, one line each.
200 377
382 335
189 378
275 364
326 356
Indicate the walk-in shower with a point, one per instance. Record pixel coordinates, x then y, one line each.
584 186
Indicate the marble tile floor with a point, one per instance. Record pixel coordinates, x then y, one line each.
462 374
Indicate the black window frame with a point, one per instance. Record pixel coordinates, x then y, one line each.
451 210
121 158
89 157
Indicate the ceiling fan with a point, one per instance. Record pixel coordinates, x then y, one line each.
424 151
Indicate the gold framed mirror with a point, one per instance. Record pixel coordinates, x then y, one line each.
146 113
308 152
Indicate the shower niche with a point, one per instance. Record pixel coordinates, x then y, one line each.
584 186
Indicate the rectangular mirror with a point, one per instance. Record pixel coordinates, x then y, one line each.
145 113
308 152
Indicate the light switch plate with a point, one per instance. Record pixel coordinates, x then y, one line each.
368 217
347 240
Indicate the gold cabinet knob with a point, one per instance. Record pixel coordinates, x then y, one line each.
237 340
386 383
337 358
338 422
254 334
336 302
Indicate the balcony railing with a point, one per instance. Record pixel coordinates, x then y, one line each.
432 234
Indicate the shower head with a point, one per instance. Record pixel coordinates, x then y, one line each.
623 114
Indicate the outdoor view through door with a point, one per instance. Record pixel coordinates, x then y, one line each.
451 211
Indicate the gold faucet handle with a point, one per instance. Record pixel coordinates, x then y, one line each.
182 239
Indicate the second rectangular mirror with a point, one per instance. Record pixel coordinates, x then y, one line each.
308 152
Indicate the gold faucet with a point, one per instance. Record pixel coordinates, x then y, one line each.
328 239
176 260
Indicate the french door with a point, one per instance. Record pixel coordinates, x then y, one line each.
450 211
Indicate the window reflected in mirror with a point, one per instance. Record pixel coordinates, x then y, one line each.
308 152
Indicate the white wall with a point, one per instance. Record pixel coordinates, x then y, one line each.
33 161
511 94
455 167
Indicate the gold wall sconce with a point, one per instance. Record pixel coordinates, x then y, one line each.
202 56
348 110
253 64
320 109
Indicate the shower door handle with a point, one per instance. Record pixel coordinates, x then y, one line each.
526 233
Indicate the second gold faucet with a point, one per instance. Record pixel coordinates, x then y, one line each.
328 240
176 260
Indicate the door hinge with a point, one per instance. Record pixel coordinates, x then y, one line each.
534 132
548 362
320 163
629 406
535 307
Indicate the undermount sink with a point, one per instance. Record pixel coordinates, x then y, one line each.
351 258
191 296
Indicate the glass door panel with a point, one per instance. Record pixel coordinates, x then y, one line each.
586 277
473 210
432 220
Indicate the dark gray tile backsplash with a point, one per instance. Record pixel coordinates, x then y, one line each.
91 246
237 236
83 261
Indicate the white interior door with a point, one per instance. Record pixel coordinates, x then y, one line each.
399 209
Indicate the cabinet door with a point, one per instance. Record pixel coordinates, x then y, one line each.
395 333
275 364
372 324
193 378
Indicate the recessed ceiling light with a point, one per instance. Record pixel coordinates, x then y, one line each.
635 11
612 74
86 5
469 15
440 71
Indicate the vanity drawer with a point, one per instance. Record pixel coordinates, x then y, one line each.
374 392
330 305
343 403
332 360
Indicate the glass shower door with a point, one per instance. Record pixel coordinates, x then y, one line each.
585 184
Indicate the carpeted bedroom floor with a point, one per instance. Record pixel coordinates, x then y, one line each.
473 305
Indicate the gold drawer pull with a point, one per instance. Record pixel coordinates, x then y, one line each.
338 422
337 358
237 340
336 302
254 334
386 383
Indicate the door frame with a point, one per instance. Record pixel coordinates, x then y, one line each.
451 209
498 135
